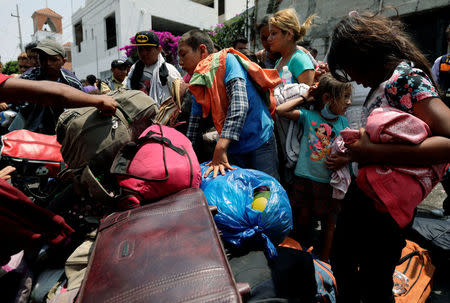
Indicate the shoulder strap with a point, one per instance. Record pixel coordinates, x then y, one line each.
163 74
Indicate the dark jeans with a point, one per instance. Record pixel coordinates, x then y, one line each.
264 158
367 246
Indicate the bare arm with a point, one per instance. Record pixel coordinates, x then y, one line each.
307 77
289 109
53 93
433 150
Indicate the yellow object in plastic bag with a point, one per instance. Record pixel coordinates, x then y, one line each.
260 200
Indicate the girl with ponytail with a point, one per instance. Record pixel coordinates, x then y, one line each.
285 30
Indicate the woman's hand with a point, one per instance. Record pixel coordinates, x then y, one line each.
359 151
337 161
320 70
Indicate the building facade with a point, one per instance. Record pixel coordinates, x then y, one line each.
102 27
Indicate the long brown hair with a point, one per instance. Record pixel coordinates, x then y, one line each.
364 41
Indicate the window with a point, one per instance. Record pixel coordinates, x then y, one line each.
221 7
92 33
49 26
78 28
209 3
111 39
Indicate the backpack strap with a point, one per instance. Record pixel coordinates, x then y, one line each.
163 74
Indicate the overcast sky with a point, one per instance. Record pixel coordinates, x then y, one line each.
9 30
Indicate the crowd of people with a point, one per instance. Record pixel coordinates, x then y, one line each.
361 236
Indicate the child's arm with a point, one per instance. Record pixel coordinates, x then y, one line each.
289 109
433 150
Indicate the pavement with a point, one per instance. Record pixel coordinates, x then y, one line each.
440 292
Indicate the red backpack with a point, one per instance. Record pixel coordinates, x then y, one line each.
161 162
32 154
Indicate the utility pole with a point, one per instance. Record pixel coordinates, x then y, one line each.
246 22
18 22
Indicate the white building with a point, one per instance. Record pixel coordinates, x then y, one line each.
102 27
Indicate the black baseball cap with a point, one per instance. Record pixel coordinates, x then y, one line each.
146 38
118 63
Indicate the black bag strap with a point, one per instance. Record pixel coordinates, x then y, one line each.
408 258
150 136
130 150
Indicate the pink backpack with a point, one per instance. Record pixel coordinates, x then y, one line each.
161 162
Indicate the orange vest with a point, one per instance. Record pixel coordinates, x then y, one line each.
208 84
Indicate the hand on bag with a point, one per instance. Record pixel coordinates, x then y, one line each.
220 159
106 104
3 106
6 171
183 88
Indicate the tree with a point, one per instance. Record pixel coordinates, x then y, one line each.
11 67
224 33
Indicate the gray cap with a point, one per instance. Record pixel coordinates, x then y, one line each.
51 48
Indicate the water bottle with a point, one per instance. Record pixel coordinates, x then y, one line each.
401 283
6 117
286 76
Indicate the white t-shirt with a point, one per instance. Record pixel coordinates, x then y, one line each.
146 81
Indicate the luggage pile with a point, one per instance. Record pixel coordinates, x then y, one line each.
123 214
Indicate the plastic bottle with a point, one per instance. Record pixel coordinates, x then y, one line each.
6 117
401 283
286 76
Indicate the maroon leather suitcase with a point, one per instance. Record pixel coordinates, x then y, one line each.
169 251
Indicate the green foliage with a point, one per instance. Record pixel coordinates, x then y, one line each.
11 67
225 33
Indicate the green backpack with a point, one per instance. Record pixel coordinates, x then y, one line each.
90 141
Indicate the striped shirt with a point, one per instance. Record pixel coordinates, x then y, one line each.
66 77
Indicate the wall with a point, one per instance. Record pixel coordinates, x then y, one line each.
331 11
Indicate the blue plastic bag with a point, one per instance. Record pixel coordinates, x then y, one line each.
241 225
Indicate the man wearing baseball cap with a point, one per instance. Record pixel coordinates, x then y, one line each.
151 73
119 70
51 55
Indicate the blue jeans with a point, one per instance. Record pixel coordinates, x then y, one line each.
264 158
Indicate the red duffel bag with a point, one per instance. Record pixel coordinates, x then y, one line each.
32 154
160 163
